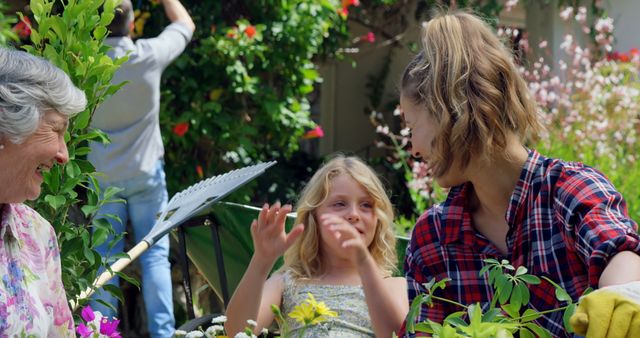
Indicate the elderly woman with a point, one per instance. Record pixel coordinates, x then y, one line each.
36 100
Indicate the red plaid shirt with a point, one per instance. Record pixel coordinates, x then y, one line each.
565 221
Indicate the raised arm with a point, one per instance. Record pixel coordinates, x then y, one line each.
176 12
253 296
386 298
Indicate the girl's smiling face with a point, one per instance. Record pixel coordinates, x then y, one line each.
350 201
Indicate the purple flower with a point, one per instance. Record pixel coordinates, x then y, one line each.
108 328
83 330
87 314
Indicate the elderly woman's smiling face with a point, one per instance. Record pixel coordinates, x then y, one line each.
21 165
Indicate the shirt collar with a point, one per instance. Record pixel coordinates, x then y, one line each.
455 217
527 177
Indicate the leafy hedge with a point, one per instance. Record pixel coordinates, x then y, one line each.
238 94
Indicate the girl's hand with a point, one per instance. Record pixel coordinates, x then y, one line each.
270 240
346 236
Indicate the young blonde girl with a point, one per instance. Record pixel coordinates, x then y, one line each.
342 251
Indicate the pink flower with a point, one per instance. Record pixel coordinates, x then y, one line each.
316 132
87 314
83 330
371 37
108 328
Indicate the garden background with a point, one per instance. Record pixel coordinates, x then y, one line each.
295 81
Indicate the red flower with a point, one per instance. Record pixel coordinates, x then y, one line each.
231 33
347 3
23 28
344 12
181 128
370 37
316 132
250 31
199 171
624 57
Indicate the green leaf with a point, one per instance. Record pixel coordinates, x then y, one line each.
414 311
530 315
99 236
513 310
114 290
88 255
562 295
521 271
55 201
129 279
455 319
475 314
81 121
530 279
100 32
538 330
568 312
525 333
505 290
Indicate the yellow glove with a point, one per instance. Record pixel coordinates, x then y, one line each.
609 312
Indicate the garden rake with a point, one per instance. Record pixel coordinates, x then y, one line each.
180 208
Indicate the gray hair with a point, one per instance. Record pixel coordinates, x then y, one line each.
29 86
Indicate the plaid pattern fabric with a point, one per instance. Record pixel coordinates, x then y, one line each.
565 221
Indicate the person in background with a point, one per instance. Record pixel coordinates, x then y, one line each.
344 255
36 101
133 160
469 112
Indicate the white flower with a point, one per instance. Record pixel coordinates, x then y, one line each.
180 332
582 14
244 335
215 329
566 13
252 323
194 334
219 319
264 331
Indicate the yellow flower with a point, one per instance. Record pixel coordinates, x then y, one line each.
323 310
311 312
303 313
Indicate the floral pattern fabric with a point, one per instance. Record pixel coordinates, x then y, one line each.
32 298
348 301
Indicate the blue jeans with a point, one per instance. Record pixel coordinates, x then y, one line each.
145 196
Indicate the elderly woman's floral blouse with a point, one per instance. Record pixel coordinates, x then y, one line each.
32 298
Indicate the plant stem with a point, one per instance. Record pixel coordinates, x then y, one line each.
541 313
449 301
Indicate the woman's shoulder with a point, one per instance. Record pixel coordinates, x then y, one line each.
27 215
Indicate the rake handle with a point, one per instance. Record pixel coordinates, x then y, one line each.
117 266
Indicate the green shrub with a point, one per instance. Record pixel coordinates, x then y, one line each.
238 94
72 40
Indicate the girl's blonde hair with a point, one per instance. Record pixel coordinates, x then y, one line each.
304 257
465 78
